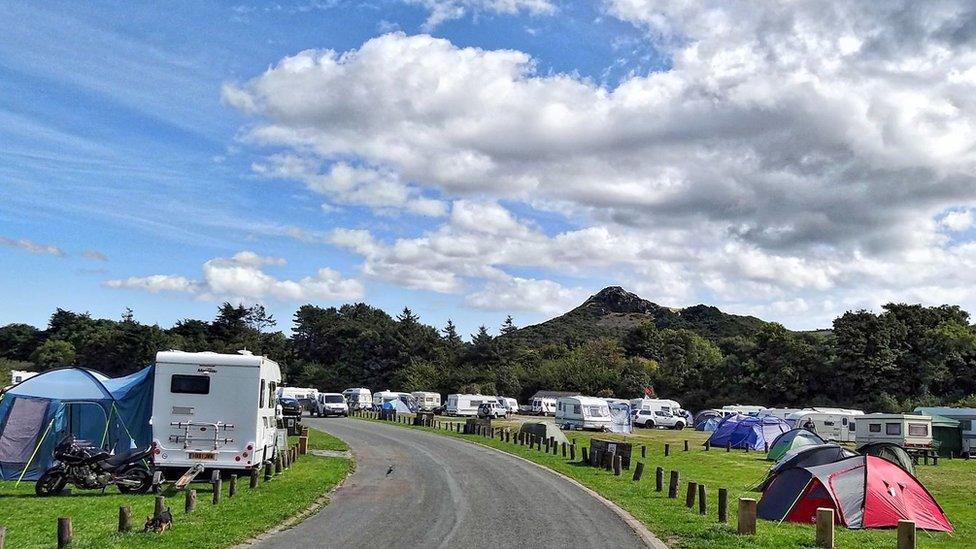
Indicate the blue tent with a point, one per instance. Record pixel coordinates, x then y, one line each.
707 420
751 432
37 413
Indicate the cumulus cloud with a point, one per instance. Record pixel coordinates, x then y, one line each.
241 276
94 255
447 10
958 221
524 294
31 246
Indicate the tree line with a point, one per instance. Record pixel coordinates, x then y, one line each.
901 357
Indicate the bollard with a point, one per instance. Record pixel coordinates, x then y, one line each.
658 479
690 494
638 471
825 527
766 447
667 449
643 450
707 445
686 446
159 506
190 501
673 485
232 488
701 499
906 534
564 450
277 464
125 519
728 446
267 471
303 445
747 448
254 478
617 465
723 504
572 452
216 491
65 532
747 517
585 460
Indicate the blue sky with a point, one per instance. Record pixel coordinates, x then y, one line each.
146 141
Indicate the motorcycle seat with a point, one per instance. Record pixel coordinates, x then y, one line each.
126 458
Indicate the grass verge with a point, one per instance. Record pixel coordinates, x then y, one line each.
951 483
31 521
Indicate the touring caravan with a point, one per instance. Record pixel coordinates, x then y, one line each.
214 410
358 398
466 405
835 424
966 418
582 412
907 430
743 409
781 413
510 404
427 400
544 406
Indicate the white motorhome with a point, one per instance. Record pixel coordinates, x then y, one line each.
427 400
331 404
382 397
966 418
908 430
744 409
781 413
358 398
655 405
300 393
466 405
544 406
830 423
510 404
214 410
582 412
16 376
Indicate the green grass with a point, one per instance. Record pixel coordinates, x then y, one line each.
952 483
318 440
32 522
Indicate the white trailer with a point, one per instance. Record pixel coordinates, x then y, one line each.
214 411
830 423
510 404
427 400
744 409
908 430
544 406
358 398
466 405
582 412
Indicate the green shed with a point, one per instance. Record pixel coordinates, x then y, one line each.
946 435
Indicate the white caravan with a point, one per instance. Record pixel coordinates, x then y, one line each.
655 405
908 430
744 409
214 410
966 418
781 413
298 393
466 405
382 397
427 400
582 412
830 423
544 406
358 398
330 404
510 404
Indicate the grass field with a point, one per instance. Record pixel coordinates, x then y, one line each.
32 522
952 482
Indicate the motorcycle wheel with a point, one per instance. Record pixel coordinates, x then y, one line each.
136 474
50 483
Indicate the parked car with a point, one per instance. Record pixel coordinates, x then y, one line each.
290 407
492 410
331 404
657 418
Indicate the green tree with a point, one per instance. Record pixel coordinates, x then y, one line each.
18 341
53 353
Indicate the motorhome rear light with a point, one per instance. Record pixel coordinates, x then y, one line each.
244 454
250 447
157 451
237 458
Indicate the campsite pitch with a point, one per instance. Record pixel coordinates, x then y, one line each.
950 482
31 521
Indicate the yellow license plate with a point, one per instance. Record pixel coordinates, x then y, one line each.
203 455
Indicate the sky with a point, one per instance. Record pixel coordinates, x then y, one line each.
472 159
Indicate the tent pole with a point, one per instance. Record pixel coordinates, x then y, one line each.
34 454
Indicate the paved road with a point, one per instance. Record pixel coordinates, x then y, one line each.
444 492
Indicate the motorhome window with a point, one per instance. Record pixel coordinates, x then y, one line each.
893 428
918 430
851 427
194 385
874 427
828 423
843 421
576 408
966 424
261 396
273 388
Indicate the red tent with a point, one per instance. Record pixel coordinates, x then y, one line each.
864 491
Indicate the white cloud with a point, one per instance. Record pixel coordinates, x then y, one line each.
94 255
241 277
447 10
525 294
31 246
958 221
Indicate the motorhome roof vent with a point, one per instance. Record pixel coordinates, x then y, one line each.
245 352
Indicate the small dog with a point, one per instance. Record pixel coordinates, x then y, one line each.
159 523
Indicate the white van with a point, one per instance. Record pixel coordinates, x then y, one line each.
214 410
358 398
907 430
427 400
331 404
544 406
466 405
510 404
582 412
830 423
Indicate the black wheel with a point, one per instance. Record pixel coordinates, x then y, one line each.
138 480
50 483
679 426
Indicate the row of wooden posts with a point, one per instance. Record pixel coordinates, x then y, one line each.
746 515
282 462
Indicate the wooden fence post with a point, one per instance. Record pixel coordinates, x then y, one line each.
3 537
159 506
747 517
686 446
564 450
701 499
125 519
728 446
643 450
707 445
65 533
673 485
723 504
216 491
572 452
617 465
906 534
658 479
232 489
825 527
585 460
303 445
267 471
190 502
254 478
690 494
638 471
667 449
277 464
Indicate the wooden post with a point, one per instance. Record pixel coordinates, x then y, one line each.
906 534
643 450
305 431
825 527
723 504
686 446
564 450
707 445
3 537
667 449
766 447
216 491
159 506
65 533
232 489
585 460
658 479
254 478
673 485
638 471
303 445
690 494
267 471
572 452
125 519
618 462
747 448
190 502
728 446
701 499
747 517
277 464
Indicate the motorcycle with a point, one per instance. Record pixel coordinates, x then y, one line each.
90 468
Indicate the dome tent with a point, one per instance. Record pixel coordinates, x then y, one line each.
806 456
707 420
739 431
791 440
38 412
889 451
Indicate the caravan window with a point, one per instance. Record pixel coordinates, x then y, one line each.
261 396
273 387
576 409
893 429
194 385
966 424
874 427
918 430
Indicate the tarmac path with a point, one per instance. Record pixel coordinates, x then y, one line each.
445 492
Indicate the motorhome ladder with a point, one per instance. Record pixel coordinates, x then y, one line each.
186 438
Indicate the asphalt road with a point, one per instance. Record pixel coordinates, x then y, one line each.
444 492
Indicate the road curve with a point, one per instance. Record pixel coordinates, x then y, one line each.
445 492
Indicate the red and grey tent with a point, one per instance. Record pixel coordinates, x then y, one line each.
864 491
